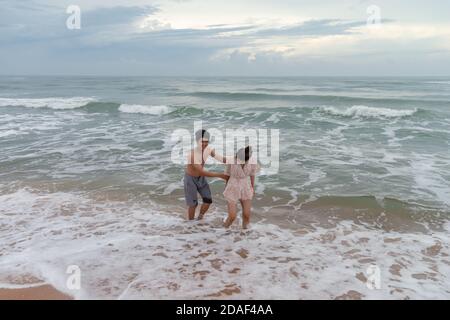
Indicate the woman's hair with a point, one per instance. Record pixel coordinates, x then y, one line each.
244 154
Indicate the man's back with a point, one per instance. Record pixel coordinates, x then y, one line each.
195 158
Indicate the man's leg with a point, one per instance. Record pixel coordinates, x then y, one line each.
190 194
191 212
203 209
205 192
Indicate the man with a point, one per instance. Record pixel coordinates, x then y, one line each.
195 176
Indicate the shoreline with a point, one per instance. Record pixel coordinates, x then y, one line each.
42 292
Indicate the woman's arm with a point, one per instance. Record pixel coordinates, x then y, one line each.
252 181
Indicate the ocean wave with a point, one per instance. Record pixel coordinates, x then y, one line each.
307 98
52 103
260 96
8 133
186 111
367 112
241 95
438 82
143 109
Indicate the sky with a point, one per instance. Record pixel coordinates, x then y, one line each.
226 38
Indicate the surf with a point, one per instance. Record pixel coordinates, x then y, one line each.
51 103
367 112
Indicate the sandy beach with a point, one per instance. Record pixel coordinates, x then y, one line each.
44 292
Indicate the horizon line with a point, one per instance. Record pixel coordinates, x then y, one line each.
225 76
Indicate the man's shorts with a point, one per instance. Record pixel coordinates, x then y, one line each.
194 185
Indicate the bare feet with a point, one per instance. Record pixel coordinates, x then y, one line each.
245 222
227 223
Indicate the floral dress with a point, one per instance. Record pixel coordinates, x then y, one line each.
238 186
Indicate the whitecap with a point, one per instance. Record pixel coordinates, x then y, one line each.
143 109
367 112
52 103
7 133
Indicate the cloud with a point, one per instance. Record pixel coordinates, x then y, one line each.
342 39
176 37
30 22
115 15
313 28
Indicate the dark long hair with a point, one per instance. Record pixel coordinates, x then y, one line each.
244 154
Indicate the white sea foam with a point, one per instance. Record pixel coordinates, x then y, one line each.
314 176
152 110
52 103
367 112
438 82
429 177
21 286
128 250
7 133
274 118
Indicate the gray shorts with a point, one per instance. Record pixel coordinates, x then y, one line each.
194 185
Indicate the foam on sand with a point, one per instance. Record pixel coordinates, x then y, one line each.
128 250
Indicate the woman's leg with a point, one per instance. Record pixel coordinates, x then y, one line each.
246 210
232 213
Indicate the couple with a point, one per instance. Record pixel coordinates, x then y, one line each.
239 176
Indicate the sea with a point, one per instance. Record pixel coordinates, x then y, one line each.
357 208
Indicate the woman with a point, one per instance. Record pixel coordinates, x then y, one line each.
240 186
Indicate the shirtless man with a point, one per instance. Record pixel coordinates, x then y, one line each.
195 175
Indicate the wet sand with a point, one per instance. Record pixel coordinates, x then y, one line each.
44 292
